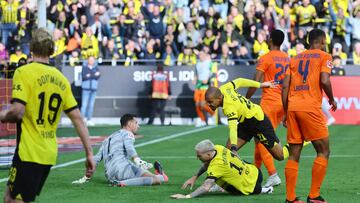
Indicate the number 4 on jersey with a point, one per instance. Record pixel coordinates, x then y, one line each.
304 72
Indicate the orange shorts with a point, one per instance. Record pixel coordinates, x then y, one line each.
199 95
305 126
275 113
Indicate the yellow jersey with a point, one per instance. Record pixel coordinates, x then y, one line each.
14 58
45 92
236 107
229 170
305 14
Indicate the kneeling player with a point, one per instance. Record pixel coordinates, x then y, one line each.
118 152
225 169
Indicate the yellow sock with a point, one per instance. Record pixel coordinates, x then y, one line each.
306 143
286 149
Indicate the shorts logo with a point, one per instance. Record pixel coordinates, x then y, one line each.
12 174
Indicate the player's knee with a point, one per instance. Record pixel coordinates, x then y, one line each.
325 153
7 199
279 156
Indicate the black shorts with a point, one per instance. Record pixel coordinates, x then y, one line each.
26 179
261 130
257 189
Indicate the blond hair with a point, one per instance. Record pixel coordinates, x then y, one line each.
205 146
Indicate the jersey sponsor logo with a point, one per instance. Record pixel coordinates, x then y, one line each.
302 87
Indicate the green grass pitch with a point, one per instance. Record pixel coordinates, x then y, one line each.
177 156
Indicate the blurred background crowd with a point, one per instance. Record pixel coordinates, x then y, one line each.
128 32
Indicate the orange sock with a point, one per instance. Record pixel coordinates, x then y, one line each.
318 175
200 113
267 159
291 174
257 156
207 109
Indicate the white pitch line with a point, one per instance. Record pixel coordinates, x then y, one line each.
246 156
137 146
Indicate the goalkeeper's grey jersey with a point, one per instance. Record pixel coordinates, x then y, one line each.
116 151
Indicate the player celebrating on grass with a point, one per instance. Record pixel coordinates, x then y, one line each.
118 152
40 93
246 120
308 75
225 169
271 66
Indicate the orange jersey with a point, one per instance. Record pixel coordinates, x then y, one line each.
305 93
274 65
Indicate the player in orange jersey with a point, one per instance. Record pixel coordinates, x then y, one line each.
271 66
307 76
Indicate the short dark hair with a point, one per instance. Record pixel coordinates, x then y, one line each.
277 37
126 118
315 34
336 57
42 43
160 68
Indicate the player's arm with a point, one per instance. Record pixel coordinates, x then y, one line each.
130 150
191 181
325 82
242 82
326 86
204 188
259 77
99 155
82 131
232 123
285 92
14 114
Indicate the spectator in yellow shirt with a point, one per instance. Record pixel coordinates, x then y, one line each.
356 54
337 51
306 13
186 58
260 46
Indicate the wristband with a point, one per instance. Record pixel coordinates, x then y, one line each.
188 196
233 148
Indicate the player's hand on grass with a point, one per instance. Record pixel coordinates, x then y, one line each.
190 182
82 180
142 164
180 196
270 84
90 165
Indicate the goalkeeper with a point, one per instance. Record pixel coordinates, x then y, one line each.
123 166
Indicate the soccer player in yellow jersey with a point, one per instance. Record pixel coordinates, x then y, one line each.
40 93
225 169
246 120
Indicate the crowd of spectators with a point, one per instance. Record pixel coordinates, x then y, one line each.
127 32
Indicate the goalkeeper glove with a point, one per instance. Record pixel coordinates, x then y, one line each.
142 164
82 180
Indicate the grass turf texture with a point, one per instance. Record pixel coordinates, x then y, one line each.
177 157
